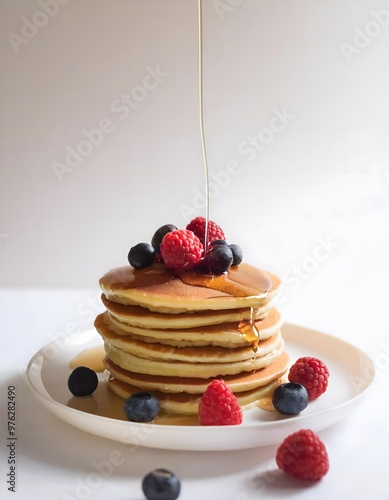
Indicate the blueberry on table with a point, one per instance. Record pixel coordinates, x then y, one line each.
290 398
141 255
82 381
141 407
161 484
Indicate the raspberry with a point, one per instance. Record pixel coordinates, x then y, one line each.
197 225
312 374
181 249
303 455
219 406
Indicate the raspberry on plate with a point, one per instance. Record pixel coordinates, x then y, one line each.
312 373
303 455
181 249
219 406
197 225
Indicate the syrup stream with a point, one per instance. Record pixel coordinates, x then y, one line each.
104 402
201 109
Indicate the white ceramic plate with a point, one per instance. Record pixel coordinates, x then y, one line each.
351 374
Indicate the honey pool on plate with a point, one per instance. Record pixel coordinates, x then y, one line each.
105 403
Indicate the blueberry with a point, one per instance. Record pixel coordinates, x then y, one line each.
237 254
290 398
141 407
141 255
160 233
218 259
82 381
218 242
161 484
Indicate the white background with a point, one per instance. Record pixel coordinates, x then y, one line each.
312 206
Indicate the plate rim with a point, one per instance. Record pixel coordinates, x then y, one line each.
92 336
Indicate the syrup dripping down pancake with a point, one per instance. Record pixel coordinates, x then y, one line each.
193 385
172 333
188 354
224 335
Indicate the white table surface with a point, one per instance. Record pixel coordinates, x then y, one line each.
55 459
325 176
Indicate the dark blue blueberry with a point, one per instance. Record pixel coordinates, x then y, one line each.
82 381
141 407
218 259
141 255
237 254
161 484
160 233
218 242
290 398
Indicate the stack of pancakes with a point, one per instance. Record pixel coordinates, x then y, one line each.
172 333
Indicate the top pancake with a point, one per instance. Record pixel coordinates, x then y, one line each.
162 290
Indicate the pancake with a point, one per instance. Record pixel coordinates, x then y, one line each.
189 354
225 335
173 332
160 367
161 290
144 318
193 385
187 404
